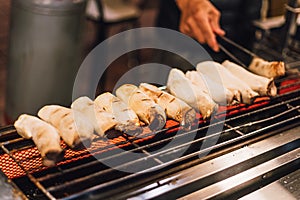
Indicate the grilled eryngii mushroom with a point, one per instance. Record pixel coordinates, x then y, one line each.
221 75
126 117
175 108
45 137
267 69
74 128
260 84
102 121
218 92
184 89
145 108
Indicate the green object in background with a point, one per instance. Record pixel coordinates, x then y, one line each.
44 53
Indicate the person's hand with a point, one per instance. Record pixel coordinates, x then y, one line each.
200 20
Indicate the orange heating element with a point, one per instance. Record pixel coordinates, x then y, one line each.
30 160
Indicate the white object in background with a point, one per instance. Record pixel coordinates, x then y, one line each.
113 10
269 23
92 10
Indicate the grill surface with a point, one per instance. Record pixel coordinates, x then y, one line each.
81 176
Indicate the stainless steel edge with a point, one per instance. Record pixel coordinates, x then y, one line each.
262 171
224 163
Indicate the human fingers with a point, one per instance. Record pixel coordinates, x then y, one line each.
184 27
195 30
214 18
203 23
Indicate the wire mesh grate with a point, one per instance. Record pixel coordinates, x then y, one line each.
60 182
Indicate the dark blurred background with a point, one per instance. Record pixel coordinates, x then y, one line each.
148 17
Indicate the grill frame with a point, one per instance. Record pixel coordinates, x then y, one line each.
147 176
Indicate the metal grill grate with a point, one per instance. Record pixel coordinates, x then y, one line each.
80 173
28 156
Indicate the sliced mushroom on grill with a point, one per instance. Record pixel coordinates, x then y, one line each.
174 107
218 92
267 69
146 109
73 127
103 122
260 84
45 137
221 75
184 89
128 121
